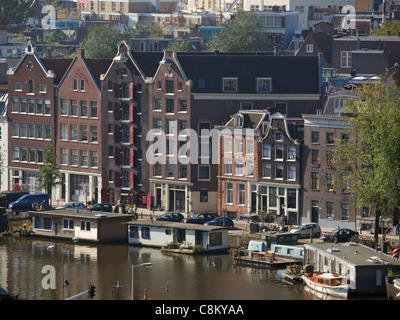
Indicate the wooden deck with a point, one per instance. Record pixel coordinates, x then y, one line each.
261 259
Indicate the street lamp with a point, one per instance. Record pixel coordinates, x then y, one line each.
146 264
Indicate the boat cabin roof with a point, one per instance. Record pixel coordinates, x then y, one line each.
329 276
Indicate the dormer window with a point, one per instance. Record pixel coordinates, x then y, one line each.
264 85
230 84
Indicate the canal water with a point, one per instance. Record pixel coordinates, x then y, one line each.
24 261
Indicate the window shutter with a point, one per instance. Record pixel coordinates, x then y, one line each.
132 180
131 115
131 134
117 112
117 156
131 91
117 181
116 90
117 134
132 157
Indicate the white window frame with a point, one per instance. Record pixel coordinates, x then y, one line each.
230 90
262 88
241 194
228 166
345 59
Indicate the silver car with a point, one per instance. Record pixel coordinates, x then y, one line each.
305 230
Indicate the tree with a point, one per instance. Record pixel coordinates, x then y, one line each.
148 30
56 36
392 26
180 46
367 160
241 33
14 10
49 172
102 41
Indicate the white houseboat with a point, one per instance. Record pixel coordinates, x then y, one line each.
83 224
182 237
362 267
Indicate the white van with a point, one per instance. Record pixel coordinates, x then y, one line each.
305 230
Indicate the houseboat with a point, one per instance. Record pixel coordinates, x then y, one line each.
85 225
392 282
178 237
362 266
273 250
327 283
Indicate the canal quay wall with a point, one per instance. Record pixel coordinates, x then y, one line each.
241 235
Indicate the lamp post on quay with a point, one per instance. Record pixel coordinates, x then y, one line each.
146 264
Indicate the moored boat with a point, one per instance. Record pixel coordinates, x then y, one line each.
327 283
392 282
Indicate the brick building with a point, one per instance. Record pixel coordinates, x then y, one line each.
279 185
91 110
32 115
195 91
238 173
106 114
325 199
80 126
124 95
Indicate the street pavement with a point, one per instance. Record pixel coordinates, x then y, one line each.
242 226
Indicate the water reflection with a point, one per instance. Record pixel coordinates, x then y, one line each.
108 267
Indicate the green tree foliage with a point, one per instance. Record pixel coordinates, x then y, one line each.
368 160
56 36
102 41
148 30
49 172
241 33
392 26
179 46
14 10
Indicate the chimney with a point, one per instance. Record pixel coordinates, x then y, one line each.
384 11
80 52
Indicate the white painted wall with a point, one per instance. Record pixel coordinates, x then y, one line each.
159 237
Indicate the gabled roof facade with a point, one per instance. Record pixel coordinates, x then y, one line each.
322 43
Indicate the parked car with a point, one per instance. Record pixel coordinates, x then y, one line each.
340 235
72 205
219 221
201 218
105 207
30 202
6 197
305 229
170 216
